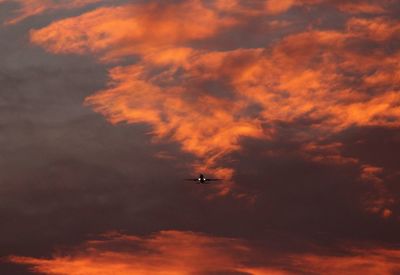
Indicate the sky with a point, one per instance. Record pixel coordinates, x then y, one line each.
106 106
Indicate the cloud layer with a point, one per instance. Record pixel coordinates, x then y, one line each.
295 104
187 253
28 8
209 99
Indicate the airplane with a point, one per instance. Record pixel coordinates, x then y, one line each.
202 180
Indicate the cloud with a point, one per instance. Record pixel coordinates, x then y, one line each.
203 125
158 33
351 7
114 32
289 101
362 7
369 262
167 252
180 252
203 98
380 200
276 6
327 153
28 8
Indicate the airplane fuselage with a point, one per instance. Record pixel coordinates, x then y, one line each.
201 179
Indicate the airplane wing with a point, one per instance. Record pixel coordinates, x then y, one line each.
191 179
212 179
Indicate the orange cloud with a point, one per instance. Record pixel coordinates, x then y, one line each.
368 262
278 6
380 200
115 32
168 252
286 82
204 125
30 8
321 77
296 89
327 153
370 173
304 79
352 7
181 253
377 29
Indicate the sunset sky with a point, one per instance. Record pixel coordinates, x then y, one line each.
107 105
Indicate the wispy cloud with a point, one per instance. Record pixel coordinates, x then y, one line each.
208 99
28 8
179 252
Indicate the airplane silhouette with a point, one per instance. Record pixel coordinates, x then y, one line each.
202 180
